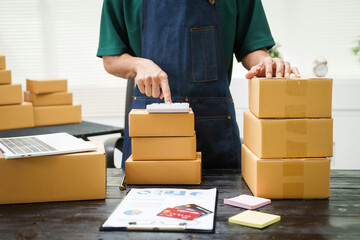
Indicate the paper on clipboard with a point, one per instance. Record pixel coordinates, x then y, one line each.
143 209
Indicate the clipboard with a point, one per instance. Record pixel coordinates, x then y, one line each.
162 225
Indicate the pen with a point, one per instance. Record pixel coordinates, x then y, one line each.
156 227
122 186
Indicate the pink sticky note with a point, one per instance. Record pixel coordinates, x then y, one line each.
247 201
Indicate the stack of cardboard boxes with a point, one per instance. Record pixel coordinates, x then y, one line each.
288 135
52 103
14 113
163 149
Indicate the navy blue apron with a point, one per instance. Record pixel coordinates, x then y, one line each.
184 39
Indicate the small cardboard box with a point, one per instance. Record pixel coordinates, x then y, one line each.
163 148
16 116
5 77
67 177
144 124
163 172
299 178
279 138
46 86
290 97
49 99
2 63
56 115
10 94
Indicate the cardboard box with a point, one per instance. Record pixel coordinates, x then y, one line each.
286 178
46 86
49 99
10 94
290 97
5 77
163 148
144 124
16 116
279 138
2 63
67 177
56 115
163 172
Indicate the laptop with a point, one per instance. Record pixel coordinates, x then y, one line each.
42 145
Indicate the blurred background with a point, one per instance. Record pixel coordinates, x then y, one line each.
59 38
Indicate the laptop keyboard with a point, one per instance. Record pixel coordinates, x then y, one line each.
25 145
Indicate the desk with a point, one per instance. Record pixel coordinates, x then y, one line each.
82 130
336 218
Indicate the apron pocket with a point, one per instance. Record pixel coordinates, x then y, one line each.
203 54
215 141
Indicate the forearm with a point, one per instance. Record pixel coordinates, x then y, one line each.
254 58
123 65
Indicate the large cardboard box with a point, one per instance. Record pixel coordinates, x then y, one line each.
2 63
16 116
286 178
279 138
48 99
163 148
144 124
5 77
55 115
10 94
163 172
67 177
290 97
46 86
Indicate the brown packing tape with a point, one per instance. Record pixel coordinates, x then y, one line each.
293 168
295 110
296 142
293 190
293 178
296 126
294 149
296 88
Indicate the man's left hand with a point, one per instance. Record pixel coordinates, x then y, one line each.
272 67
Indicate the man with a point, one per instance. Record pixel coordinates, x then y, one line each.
181 50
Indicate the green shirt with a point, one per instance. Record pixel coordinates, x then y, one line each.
243 22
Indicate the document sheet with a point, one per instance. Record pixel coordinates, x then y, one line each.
181 209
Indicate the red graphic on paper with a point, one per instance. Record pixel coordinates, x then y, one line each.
179 213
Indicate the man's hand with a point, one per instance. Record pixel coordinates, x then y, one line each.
270 67
152 80
149 77
262 65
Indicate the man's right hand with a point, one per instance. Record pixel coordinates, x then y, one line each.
152 80
149 77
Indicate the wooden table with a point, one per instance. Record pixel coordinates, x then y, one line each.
336 218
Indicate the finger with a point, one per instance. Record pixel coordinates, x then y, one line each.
287 69
279 67
141 86
161 96
268 67
148 90
254 71
295 70
155 88
165 89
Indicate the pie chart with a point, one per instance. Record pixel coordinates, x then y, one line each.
132 212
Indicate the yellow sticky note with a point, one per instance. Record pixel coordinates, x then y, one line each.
254 219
